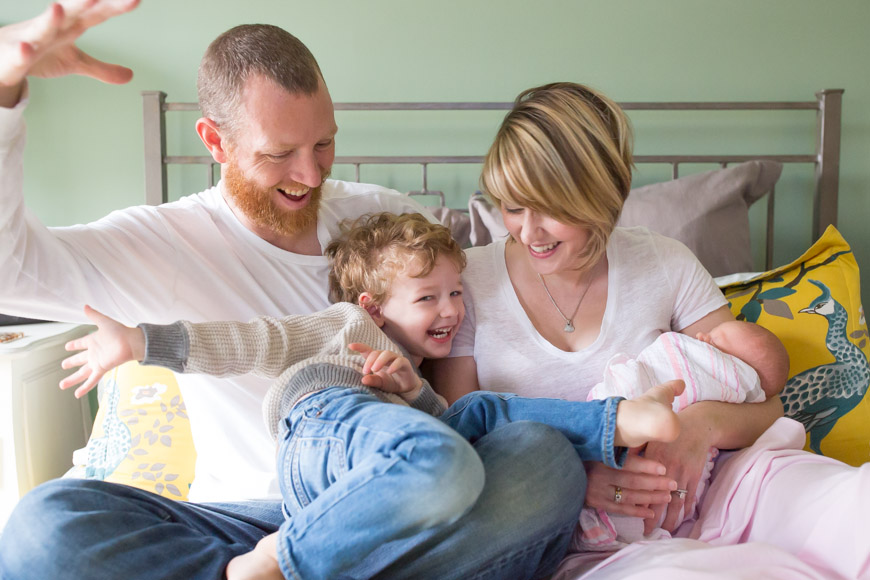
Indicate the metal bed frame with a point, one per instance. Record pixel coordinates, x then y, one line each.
825 159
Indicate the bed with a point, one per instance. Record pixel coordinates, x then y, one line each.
710 210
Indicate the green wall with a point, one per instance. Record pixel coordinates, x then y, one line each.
85 139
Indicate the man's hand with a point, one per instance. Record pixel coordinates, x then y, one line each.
113 344
388 371
44 46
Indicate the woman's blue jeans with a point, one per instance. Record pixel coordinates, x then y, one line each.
372 490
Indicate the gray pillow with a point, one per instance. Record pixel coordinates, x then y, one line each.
709 212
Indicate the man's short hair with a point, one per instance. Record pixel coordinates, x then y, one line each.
374 249
247 50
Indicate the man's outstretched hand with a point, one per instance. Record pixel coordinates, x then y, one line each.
44 46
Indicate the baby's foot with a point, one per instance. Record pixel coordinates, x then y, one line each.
261 563
649 417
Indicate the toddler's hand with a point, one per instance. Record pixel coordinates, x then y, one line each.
389 372
111 345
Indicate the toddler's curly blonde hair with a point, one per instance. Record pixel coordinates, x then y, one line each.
373 249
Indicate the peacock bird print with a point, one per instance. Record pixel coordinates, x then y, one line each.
107 452
819 396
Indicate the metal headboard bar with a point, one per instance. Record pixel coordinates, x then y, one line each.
826 158
460 159
829 120
768 243
486 106
154 113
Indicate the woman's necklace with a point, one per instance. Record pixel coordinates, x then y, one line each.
569 322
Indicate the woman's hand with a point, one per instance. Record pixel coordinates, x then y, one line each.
388 371
111 345
44 46
684 459
641 481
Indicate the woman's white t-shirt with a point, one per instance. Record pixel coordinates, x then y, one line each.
654 285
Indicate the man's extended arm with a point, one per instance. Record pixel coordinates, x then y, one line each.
46 273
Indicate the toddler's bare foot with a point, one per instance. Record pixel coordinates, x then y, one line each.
261 563
649 417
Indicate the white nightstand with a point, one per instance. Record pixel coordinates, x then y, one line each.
40 425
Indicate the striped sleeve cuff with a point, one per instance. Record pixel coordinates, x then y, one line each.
166 345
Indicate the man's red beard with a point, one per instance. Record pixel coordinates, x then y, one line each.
257 205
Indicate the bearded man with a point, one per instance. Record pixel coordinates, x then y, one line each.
252 245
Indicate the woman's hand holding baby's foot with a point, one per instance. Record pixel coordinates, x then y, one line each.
649 417
261 563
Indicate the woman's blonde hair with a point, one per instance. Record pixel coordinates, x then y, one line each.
564 150
374 249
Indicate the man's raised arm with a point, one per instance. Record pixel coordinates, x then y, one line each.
44 273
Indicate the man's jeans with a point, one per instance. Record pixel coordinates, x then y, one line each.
387 492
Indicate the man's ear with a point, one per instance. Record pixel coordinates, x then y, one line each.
367 302
211 137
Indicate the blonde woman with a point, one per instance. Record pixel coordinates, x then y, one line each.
547 307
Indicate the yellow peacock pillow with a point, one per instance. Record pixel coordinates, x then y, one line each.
814 306
141 433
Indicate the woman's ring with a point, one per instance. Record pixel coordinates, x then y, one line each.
681 493
617 494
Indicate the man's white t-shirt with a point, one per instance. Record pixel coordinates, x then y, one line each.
654 285
192 260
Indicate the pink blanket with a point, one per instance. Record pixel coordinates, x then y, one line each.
772 511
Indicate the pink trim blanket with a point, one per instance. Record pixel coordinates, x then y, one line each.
771 511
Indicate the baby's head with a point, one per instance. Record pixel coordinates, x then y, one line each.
754 345
405 271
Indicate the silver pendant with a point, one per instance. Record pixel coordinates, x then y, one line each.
569 327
